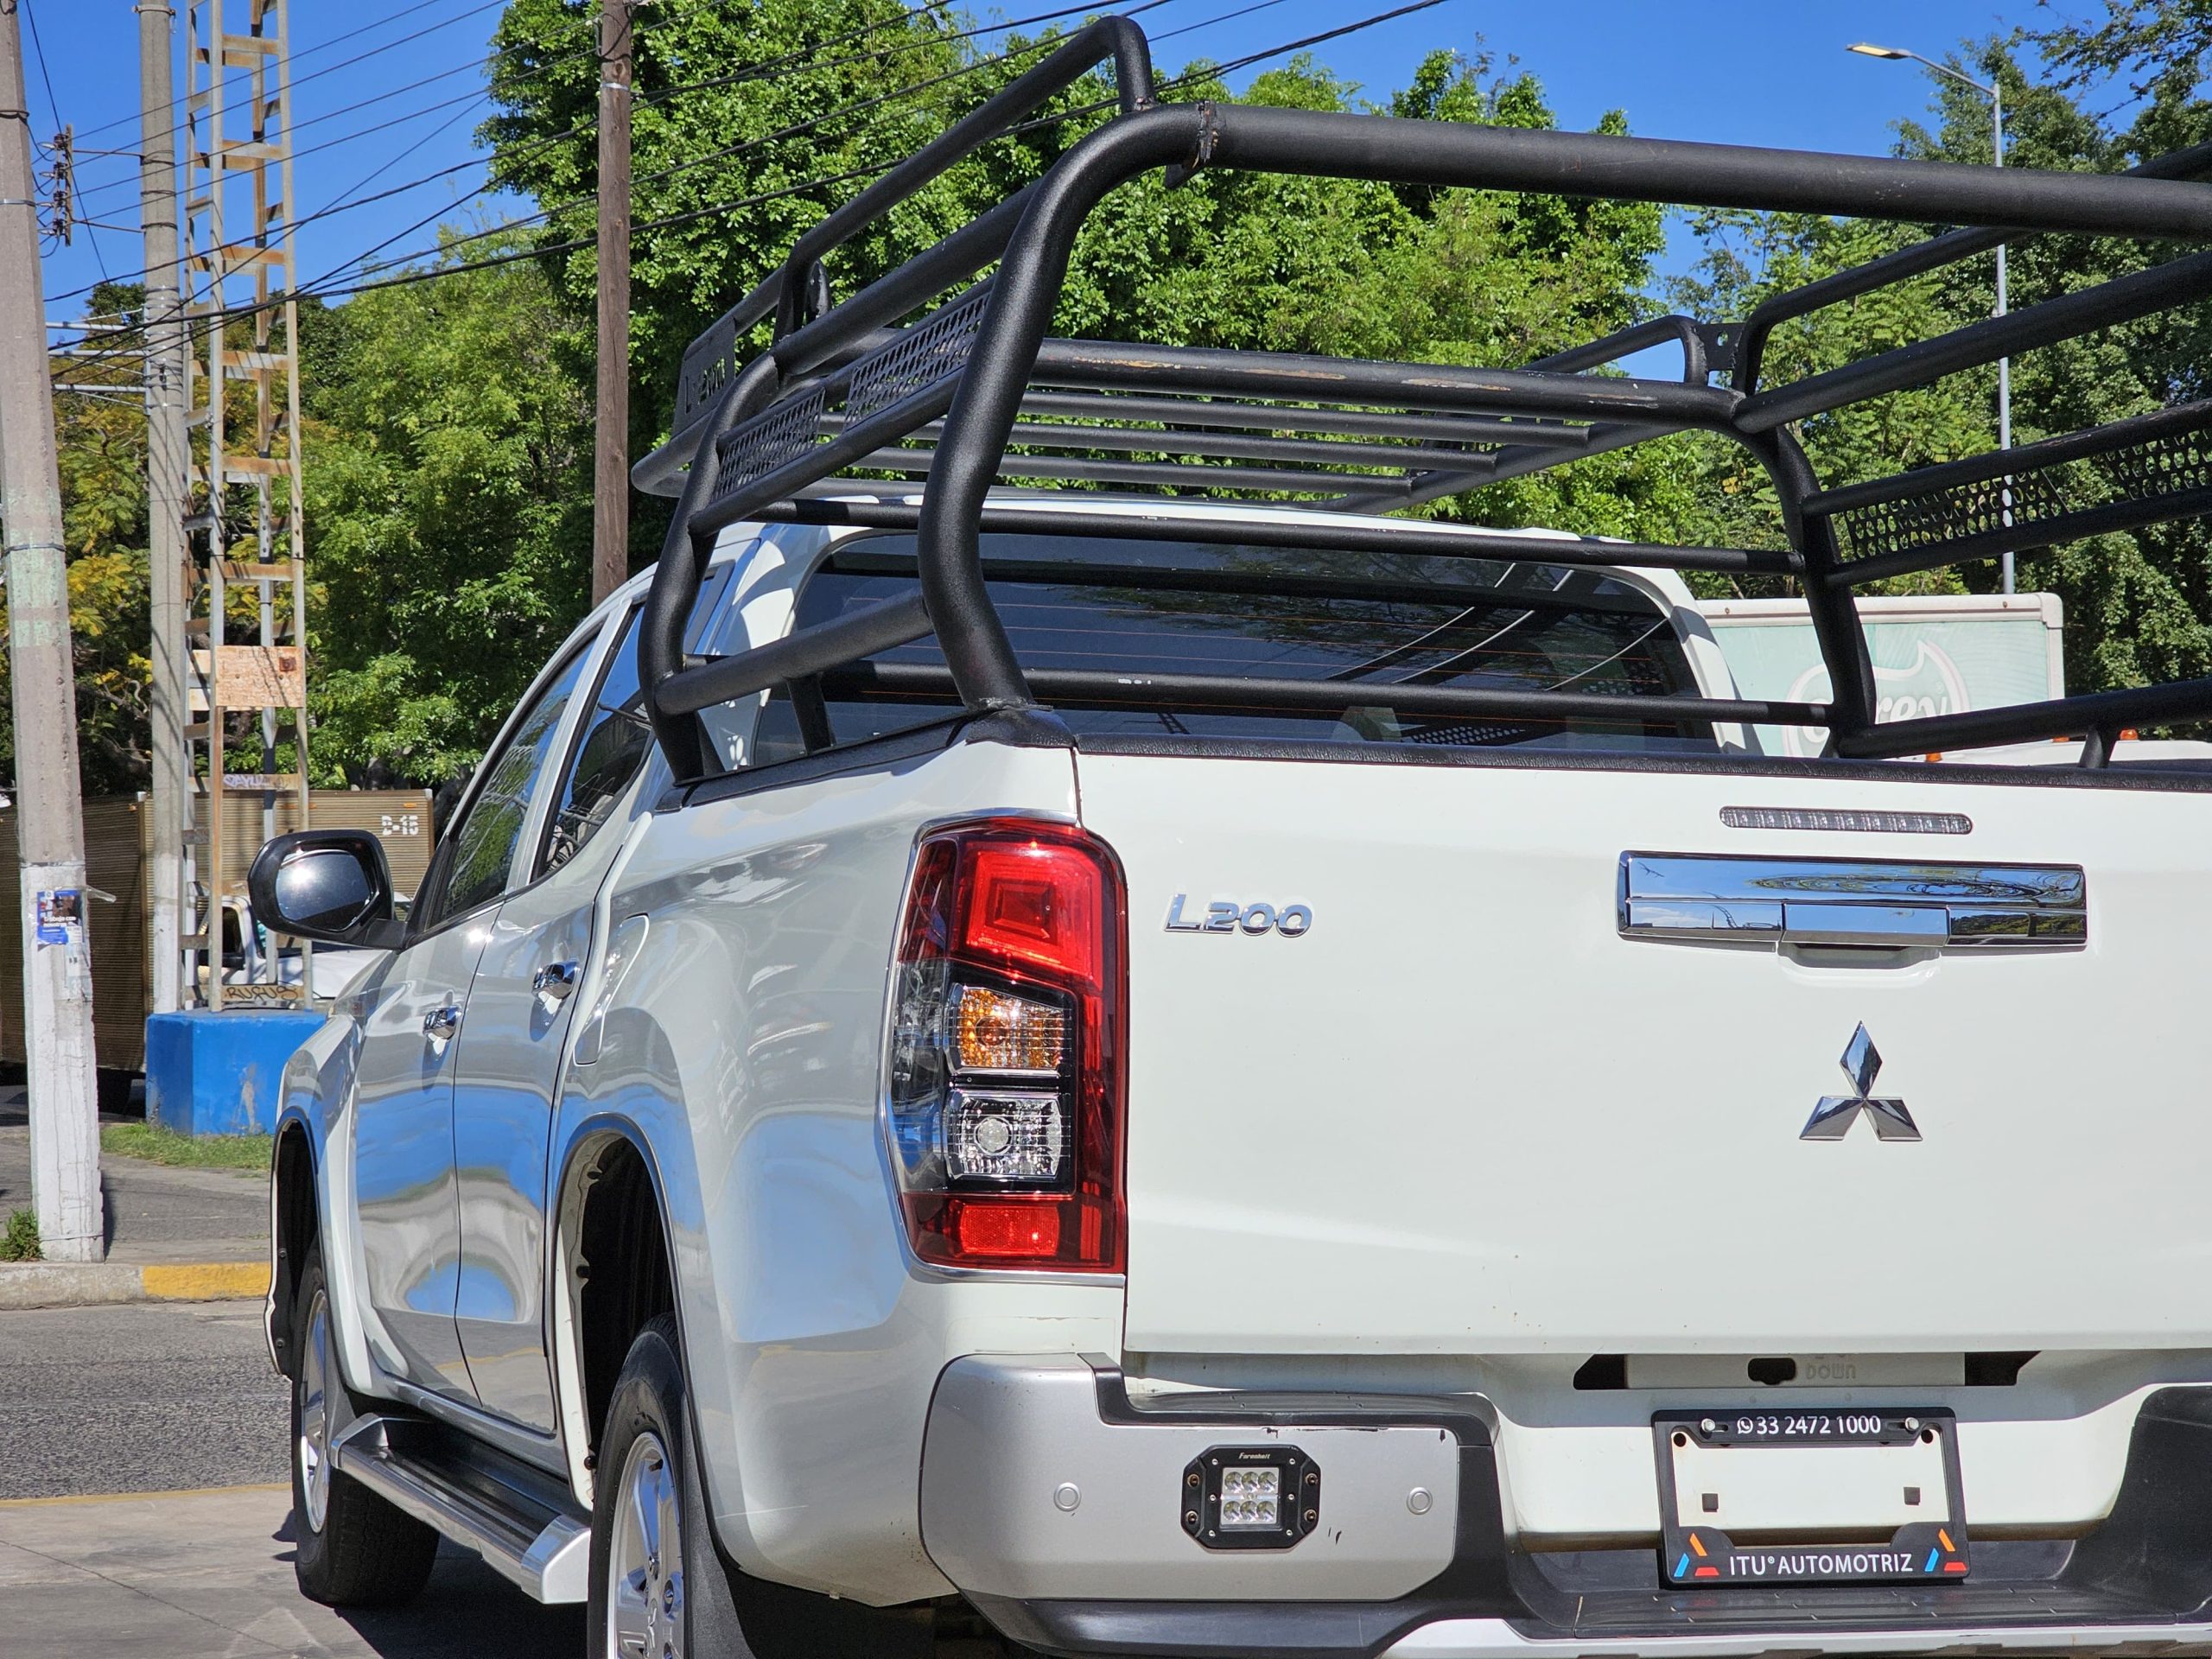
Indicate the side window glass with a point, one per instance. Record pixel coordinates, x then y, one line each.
480 849
617 739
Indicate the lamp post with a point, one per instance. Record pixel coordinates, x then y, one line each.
1996 97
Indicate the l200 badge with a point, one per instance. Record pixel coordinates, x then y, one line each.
1227 916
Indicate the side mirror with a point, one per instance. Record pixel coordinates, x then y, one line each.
331 885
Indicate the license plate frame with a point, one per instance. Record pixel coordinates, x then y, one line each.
1697 1555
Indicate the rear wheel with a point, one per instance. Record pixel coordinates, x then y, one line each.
657 1588
351 1548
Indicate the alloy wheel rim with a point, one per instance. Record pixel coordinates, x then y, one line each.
313 1449
644 1601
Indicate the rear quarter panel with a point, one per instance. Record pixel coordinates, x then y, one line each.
744 1048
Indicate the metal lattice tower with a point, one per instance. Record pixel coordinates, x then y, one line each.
244 396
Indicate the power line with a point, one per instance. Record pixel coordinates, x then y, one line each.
68 174
747 72
747 146
38 51
323 287
340 205
177 103
753 71
727 151
472 96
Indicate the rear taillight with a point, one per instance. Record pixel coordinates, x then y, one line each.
1004 1090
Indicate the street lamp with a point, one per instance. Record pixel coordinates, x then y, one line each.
1894 53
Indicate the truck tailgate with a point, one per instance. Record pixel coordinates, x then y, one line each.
1461 1113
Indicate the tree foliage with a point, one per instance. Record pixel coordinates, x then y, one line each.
2137 608
448 477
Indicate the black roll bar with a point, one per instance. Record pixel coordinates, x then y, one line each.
838 387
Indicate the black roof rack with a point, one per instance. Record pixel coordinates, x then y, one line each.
975 393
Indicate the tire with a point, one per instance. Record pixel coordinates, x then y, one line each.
351 1547
650 1600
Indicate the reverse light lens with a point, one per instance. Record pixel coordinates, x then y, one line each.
993 1031
1006 1137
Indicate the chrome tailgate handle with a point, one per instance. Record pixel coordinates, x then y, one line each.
1882 904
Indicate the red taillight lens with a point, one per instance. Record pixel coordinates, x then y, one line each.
1004 1094
1032 906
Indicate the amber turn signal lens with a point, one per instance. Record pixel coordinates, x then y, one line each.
994 1031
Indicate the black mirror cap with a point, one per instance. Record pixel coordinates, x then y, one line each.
331 885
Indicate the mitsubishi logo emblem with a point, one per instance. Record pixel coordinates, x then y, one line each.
1832 1118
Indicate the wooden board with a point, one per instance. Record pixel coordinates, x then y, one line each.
261 677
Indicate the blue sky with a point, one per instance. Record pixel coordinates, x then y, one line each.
1730 71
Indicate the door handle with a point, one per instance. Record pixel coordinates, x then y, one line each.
1877 903
440 1024
555 979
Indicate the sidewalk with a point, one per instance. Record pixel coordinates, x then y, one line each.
208 1575
188 1235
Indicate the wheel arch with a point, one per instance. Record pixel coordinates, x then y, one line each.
611 1202
294 1223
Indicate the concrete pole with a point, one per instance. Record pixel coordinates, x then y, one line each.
2004 364
49 822
167 462
610 518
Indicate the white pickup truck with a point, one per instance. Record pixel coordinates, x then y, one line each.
1189 1076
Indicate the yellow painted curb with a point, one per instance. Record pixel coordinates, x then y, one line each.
205 1282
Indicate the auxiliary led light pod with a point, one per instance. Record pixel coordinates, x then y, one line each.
1251 1497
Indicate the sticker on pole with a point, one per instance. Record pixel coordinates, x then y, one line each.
62 916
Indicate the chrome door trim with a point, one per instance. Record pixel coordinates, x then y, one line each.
1888 904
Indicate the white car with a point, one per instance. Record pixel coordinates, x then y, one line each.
1196 1077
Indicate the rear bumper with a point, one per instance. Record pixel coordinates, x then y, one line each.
1057 1507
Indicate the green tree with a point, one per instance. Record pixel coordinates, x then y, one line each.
2137 606
448 481
738 103
2163 47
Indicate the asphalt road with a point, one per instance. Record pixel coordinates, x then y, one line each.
144 1512
146 1398
162 1399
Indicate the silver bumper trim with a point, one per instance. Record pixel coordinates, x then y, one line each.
1495 1638
1030 1493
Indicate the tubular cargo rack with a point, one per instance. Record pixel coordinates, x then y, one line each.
841 387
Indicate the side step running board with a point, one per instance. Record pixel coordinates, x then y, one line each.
517 1521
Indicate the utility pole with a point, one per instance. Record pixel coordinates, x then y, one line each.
167 462
2004 364
49 824
610 514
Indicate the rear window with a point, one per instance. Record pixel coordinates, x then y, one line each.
1262 613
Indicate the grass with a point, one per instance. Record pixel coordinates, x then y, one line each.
163 1146
19 1241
